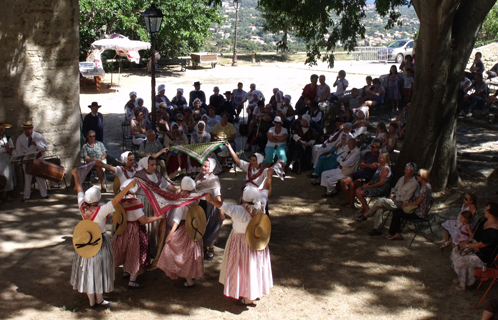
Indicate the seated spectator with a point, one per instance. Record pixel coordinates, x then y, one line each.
163 119
402 191
342 85
480 249
180 120
277 99
176 161
452 227
224 131
197 110
477 67
493 72
286 108
228 106
302 141
151 147
179 103
379 184
347 165
322 92
328 161
375 96
216 99
207 128
477 99
138 128
189 121
366 169
352 101
160 97
94 121
360 125
315 113
197 93
392 138
95 150
129 106
277 142
416 207
381 133
365 91
310 90
305 106
213 118
320 149
140 106
259 128
349 115
200 135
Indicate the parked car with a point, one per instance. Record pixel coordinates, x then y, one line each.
396 51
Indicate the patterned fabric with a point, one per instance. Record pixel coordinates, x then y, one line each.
89 212
212 182
84 170
464 267
131 249
198 151
163 201
143 176
131 204
253 176
94 152
423 208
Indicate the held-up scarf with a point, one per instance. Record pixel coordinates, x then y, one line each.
212 182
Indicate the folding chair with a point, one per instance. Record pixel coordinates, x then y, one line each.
125 129
490 273
418 223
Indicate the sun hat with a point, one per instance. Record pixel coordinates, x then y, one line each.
5 125
258 231
195 223
27 124
94 104
119 219
87 238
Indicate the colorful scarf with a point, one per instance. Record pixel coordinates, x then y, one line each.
212 182
198 151
131 204
89 212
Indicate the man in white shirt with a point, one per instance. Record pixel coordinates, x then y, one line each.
31 142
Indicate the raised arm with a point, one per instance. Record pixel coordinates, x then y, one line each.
77 180
123 193
232 153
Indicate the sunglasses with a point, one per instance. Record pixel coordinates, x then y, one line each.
466 199
91 136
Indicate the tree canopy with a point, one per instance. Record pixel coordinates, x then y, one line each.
185 26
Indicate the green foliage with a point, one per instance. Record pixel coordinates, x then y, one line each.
489 28
185 25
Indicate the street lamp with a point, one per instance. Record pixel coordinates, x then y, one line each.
236 4
153 17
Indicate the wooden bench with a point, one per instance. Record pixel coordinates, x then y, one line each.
180 61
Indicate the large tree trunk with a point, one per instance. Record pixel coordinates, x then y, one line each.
448 29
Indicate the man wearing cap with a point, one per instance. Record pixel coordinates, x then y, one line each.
238 97
6 168
179 102
130 105
197 93
94 121
228 106
402 191
145 112
31 142
216 100
95 150
277 142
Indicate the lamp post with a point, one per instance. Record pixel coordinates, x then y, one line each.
153 19
236 4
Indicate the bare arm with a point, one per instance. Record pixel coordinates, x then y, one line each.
232 153
76 180
146 220
170 235
215 202
123 193
383 177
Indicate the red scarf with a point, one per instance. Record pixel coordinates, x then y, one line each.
131 204
89 212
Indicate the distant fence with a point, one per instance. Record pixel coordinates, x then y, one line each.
369 54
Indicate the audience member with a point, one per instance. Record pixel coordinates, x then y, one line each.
151 147
477 99
238 99
477 67
94 121
6 167
95 150
138 128
197 93
277 142
303 139
379 184
179 103
130 106
216 99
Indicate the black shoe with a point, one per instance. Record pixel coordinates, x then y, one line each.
46 197
297 166
312 175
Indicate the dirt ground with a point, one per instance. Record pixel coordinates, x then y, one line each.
325 266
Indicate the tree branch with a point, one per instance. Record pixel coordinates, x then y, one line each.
90 18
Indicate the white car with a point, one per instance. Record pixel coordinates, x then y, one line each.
396 51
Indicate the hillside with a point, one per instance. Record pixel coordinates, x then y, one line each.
252 38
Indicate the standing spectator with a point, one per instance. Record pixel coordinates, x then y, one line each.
197 93
407 64
94 121
95 150
408 85
6 167
216 100
323 92
392 83
228 106
311 88
342 85
238 97
29 143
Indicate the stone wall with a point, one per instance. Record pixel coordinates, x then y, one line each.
489 55
39 72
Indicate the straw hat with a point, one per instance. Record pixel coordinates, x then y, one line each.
3 182
195 223
258 231
87 238
116 185
119 220
4 125
27 124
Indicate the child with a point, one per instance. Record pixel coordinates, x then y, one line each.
408 85
392 83
364 92
177 141
354 100
452 227
381 133
465 231
392 138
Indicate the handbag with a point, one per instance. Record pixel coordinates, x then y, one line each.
464 251
410 209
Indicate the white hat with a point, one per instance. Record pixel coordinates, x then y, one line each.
127 182
161 87
92 195
140 99
277 119
307 118
143 163
179 89
187 184
133 93
212 164
259 157
252 195
124 157
288 97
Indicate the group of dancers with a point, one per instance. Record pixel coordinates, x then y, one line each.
182 238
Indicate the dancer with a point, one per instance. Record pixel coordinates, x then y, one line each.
131 248
95 275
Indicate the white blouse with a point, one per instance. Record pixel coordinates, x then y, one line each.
104 211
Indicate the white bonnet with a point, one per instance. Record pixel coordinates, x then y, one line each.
124 157
259 158
251 194
133 93
187 184
92 195
180 90
161 87
287 96
143 163
307 118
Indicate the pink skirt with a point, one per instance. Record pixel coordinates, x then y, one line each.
182 257
246 273
131 249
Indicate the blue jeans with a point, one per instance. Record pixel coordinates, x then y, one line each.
280 151
474 101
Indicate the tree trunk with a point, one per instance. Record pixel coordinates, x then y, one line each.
448 29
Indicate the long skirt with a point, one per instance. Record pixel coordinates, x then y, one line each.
245 272
95 274
7 169
464 267
131 249
453 228
152 228
213 222
182 257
